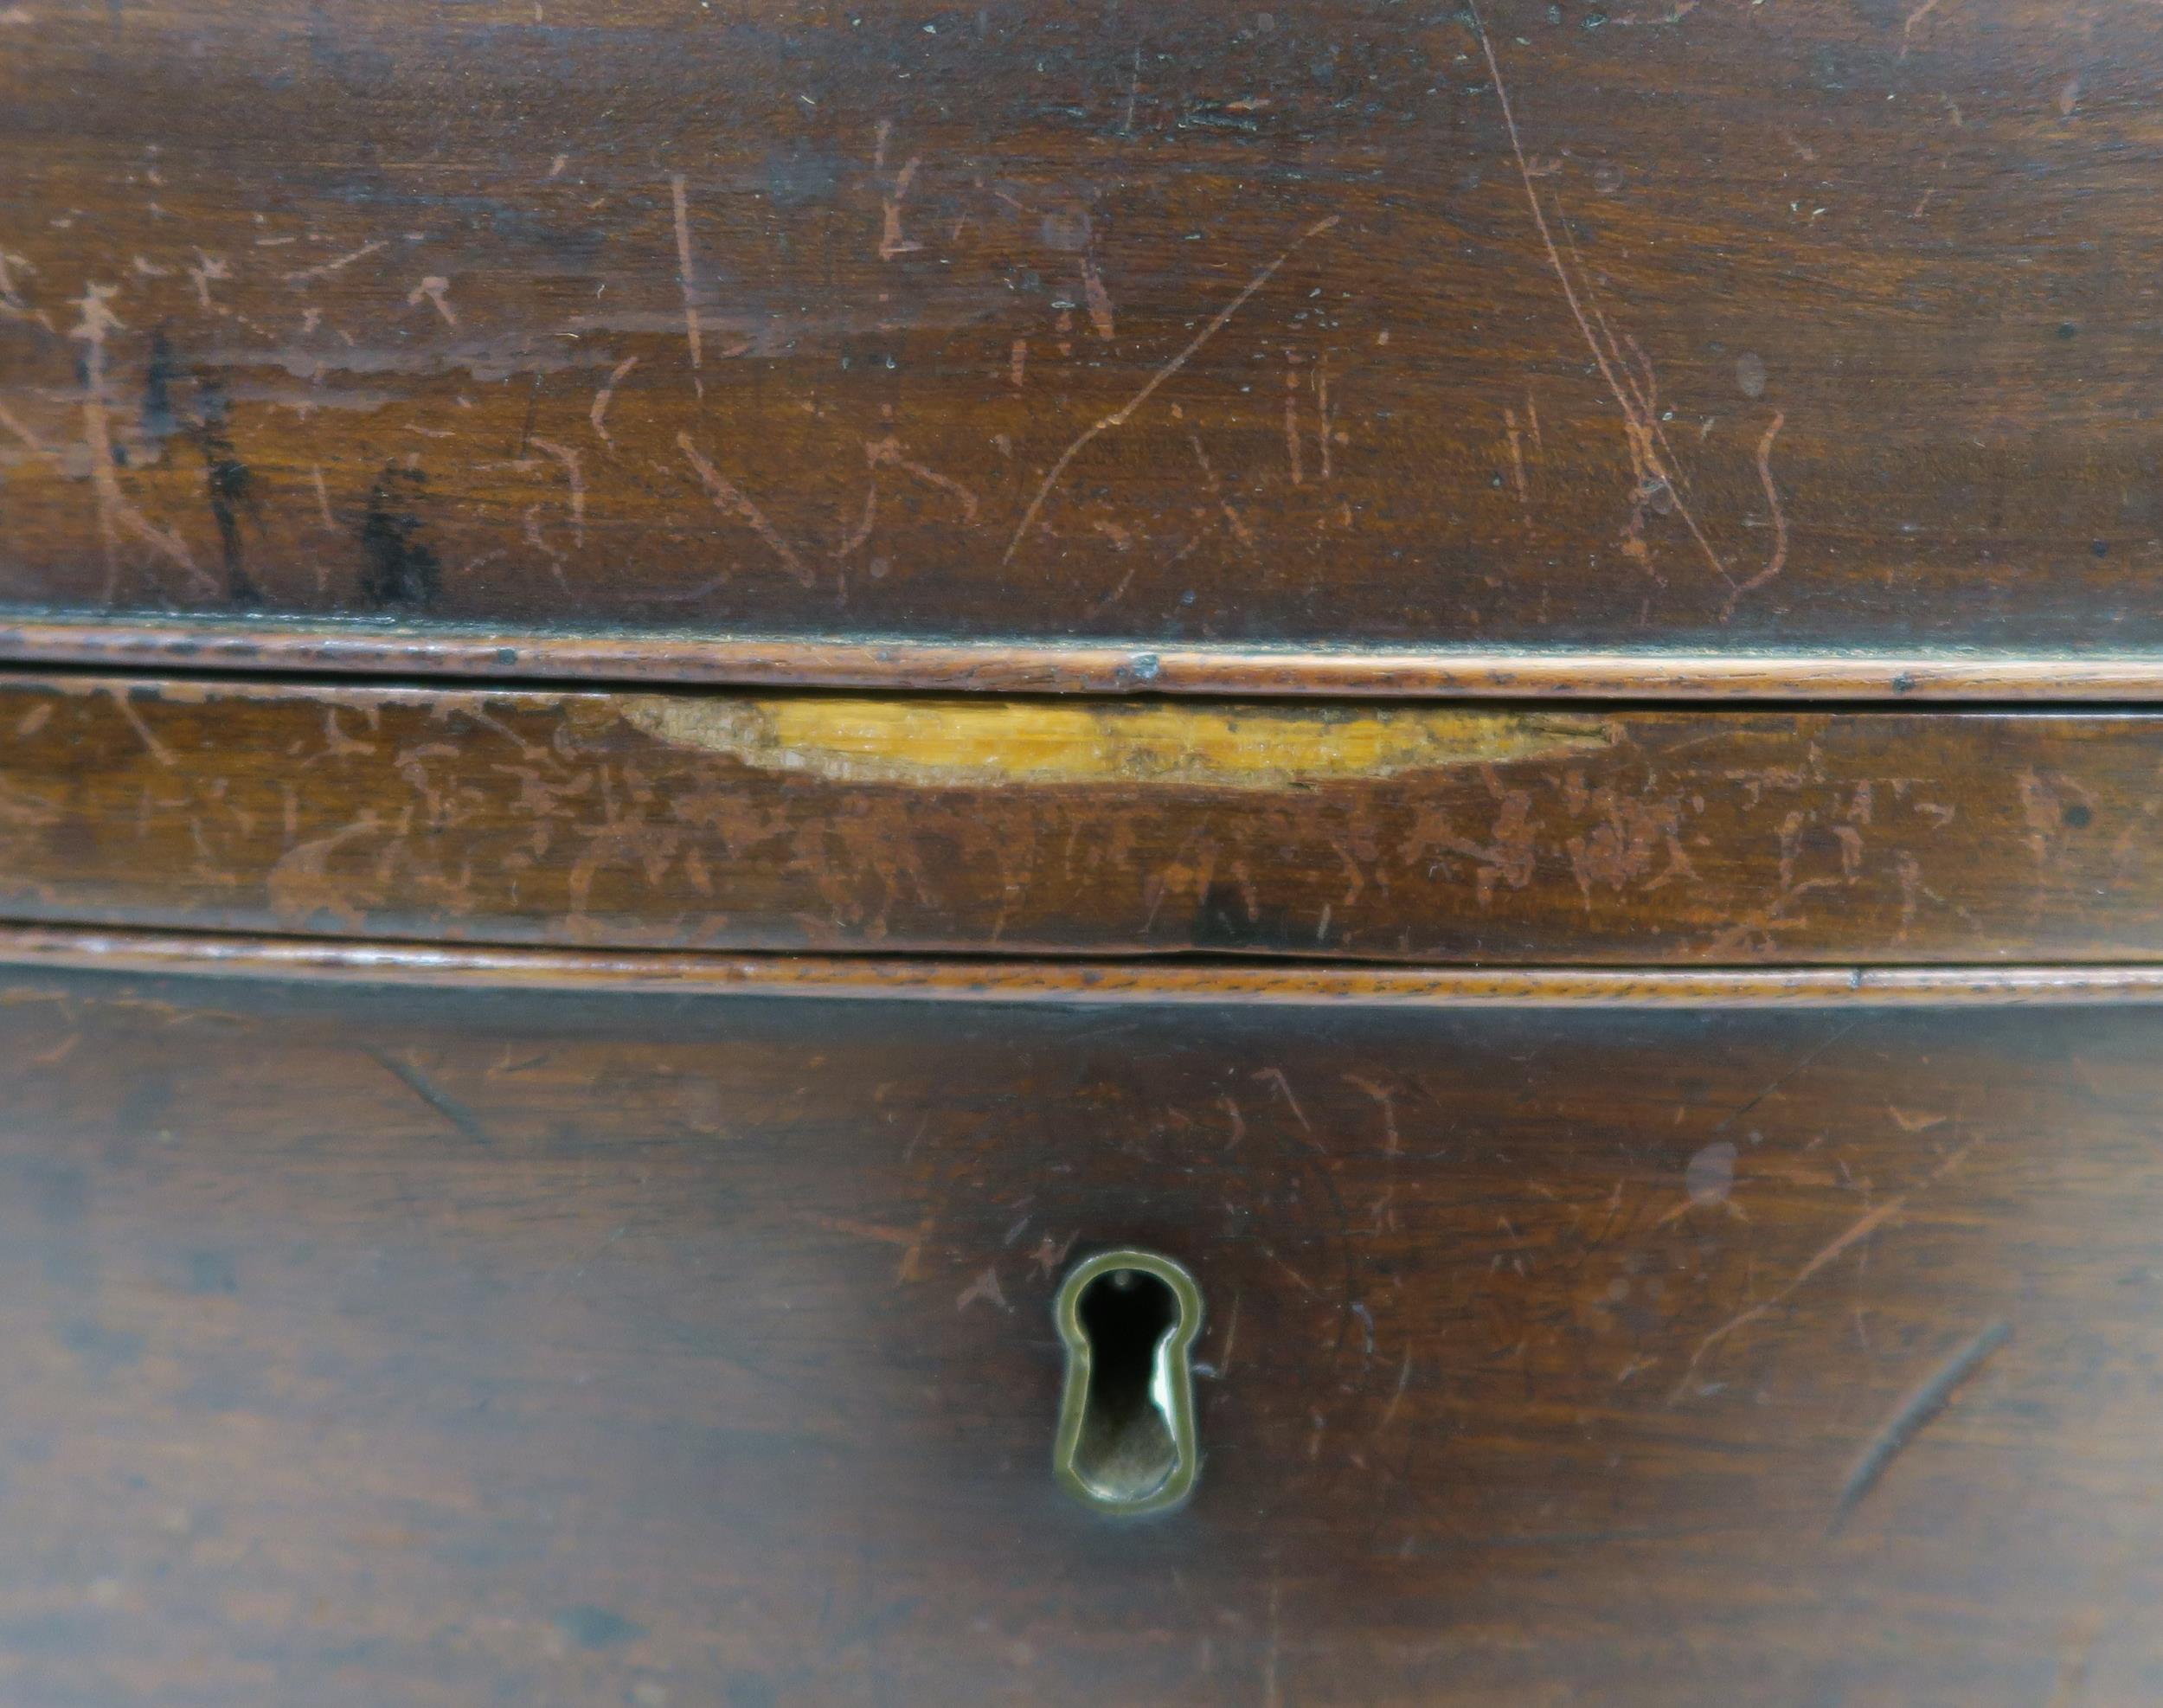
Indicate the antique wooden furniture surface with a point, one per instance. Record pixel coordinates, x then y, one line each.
451 1345
1692 324
808 821
690 693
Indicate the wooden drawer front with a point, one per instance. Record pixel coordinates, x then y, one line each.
434 1347
1342 323
1404 833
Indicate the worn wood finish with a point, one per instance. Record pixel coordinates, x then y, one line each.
437 1347
466 1249
1713 324
1393 832
1070 984
269 646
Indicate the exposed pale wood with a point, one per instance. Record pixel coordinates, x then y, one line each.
1408 832
1675 1187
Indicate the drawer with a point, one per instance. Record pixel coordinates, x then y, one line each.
548 1336
1376 335
1403 832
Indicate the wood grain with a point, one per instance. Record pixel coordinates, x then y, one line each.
1739 329
443 1346
1391 833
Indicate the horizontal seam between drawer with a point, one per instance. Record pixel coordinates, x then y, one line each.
932 979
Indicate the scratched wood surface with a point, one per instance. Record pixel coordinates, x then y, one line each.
1680 322
788 822
441 1347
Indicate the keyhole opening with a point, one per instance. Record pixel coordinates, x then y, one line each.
1126 1431
1126 1449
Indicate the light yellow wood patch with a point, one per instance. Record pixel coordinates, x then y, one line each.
959 743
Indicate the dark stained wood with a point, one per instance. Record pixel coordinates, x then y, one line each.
1407 833
553 1194
1734 327
456 1347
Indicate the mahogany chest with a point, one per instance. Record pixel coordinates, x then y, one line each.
1055 853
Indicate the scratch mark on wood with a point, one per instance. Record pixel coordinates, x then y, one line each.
208 270
436 290
683 273
599 414
12 301
337 265
1779 559
1640 429
1296 1279
887 454
31 442
1809 1056
573 477
1396 1397
1239 1122
985 1286
59 1053
1516 462
1392 1146
1291 420
115 514
726 496
1122 415
1216 490
892 243
421 1087
1050 1255
863 1230
1915 18
1914 1414
125 700
1325 423
1869 1223
1275 1076
856 537
1099 299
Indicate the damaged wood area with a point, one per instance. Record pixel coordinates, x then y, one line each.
790 822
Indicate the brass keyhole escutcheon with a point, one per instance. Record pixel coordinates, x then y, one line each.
1127 1437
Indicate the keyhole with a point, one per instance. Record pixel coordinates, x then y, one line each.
1125 1440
